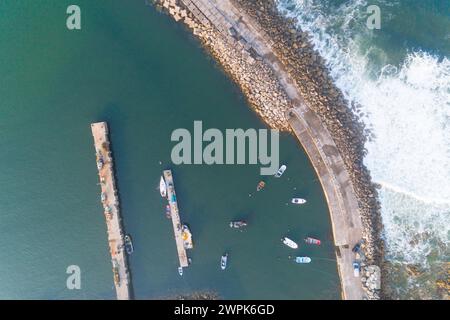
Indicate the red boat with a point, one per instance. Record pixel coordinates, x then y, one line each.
261 185
310 240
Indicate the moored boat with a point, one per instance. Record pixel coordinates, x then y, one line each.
187 237
260 185
238 224
302 259
223 261
310 240
162 187
128 244
280 171
298 201
180 271
290 243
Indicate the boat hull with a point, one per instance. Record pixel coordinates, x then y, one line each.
290 243
280 171
302 259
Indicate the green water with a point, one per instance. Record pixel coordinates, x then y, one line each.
146 76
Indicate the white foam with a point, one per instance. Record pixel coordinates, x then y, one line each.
408 110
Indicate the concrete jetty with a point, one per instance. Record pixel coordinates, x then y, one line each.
243 34
342 204
176 221
110 203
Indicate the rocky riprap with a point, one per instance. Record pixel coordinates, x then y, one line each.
266 96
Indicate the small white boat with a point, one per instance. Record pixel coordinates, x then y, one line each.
298 201
302 259
162 187
223 261
290 243
180 271
280 171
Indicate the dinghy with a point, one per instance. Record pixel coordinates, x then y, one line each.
280 171
260 185
290 243
223 261
298 201
302 259
310 240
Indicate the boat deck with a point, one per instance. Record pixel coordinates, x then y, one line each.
176 221
110 203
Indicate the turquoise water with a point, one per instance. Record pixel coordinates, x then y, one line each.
399 79
146 76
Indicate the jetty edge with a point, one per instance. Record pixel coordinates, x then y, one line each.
110 201
278 71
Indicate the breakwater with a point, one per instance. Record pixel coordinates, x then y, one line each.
236 35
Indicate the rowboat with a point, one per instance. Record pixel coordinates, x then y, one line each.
302 259
310 240
238 224
298 201
260 185
223 261
290 243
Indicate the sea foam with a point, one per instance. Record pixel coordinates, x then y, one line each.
407 109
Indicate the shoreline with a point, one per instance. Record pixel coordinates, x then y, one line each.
276 75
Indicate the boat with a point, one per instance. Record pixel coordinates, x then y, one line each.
280 171
162 187
238 224
298 201
186 235
99 164
261 185
168 213
302 259
128 244
180 271
223 261
290 243
310 240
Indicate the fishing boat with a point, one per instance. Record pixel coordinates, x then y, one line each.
290 243
168 214
128 244
162 187
280 171
260 185
223 261
186 235
180 271
302 259
238 224
310 240
298 201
